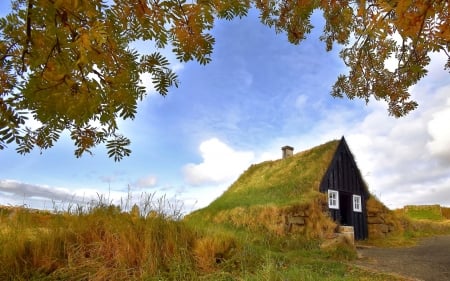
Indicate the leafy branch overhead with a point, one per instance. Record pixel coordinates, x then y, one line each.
68 65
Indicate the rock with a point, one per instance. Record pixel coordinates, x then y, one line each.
296 220
339 240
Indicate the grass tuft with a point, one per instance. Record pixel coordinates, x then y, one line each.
103 243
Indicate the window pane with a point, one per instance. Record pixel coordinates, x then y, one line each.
333 199
357 203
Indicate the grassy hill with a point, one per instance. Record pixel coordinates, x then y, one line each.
242 235
269 193
283 182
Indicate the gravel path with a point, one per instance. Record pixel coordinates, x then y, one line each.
428 261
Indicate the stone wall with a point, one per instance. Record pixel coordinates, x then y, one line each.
445 212
311 220
295 222
381 221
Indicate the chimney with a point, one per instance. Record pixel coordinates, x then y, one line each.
288 151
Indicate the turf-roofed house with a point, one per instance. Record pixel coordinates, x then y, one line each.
309 193
346 191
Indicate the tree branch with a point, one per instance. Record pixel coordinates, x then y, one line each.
28 31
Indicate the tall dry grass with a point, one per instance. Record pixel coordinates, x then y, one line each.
104 242
101 242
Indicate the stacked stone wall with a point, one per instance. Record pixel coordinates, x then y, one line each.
380 220
311 220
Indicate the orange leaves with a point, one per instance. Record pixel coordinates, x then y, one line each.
84 138
444 31
339 22
76 66
142 9
418 18
189 40
421 26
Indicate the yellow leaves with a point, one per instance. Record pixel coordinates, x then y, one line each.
71 40
82 60
95 36
75 4
52 76
68 5
84 40
39 42
52 72
90 43
411 16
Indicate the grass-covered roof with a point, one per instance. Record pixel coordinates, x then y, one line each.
281 182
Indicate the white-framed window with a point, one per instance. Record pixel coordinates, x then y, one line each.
333 199
357 203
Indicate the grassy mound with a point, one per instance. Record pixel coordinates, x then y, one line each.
293 181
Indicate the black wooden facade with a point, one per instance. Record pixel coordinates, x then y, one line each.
344 177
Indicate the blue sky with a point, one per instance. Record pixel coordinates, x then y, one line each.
258 94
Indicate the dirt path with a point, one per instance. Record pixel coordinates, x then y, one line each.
428 261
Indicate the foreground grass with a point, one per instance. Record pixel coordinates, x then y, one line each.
106 243
103 244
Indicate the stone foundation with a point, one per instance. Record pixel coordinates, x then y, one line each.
380 220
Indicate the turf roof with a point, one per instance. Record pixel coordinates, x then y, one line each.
281 182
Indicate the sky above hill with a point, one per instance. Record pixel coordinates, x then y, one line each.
258 94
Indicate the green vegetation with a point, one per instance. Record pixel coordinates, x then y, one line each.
284 182
413 230
267 192
105 243
241 236
412 223
426 212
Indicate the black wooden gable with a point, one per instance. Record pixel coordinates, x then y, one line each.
344 177
343 174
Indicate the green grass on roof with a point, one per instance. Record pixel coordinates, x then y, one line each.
282 182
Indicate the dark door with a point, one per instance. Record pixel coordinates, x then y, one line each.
345 206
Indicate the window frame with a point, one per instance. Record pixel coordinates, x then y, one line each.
335 204
357 203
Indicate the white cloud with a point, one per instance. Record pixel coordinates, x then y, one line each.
396 156
400 159
26 190
438 128
405 160
147 48
146 81
13 192
220 164
145 182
